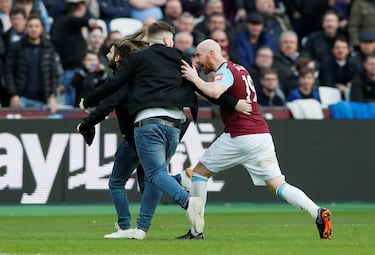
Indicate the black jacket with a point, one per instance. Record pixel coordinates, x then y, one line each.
154 79
363 88
115 101
16 68
66 35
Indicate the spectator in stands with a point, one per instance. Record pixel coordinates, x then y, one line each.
66 34
212 6
306 86
195 7
361 19
249 40
222 39
244 7
363 84
339 69
284 60
17 31
183 41
342 8
366 47
305 15
88 77
31 69
186 24
263 60
216 21
59 6
229 10
273 23
95 41
112 36
319 43
304 61
113 9
172 12
5 7
270 93
146 8
35 7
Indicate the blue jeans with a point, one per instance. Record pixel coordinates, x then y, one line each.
126 160
156 144
31 103
69 90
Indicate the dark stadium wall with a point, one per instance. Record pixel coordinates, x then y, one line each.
45 161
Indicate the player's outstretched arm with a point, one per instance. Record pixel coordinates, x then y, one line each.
211 89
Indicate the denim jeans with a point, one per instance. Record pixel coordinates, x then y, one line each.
31 103
126 160
156 144
69 90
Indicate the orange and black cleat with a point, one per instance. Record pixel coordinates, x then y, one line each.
323 223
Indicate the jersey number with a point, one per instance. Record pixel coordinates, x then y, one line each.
250 89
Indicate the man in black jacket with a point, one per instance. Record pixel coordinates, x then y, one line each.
126 159
30 69
156 94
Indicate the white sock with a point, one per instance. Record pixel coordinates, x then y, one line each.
198 189
298 198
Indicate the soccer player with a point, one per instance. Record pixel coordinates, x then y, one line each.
246 139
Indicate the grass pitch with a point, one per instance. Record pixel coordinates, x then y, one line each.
230 229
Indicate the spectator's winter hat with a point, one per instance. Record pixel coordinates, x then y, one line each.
254 18
367 36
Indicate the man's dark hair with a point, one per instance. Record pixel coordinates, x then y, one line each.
94 28
16 11
340 38
35 16
91 52
215 14
306 70
159 26
266 71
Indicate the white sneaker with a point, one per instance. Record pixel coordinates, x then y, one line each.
139 234
127 233
186 179
195 213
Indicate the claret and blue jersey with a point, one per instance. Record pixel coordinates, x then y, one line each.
238 83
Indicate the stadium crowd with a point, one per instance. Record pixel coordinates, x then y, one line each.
53 52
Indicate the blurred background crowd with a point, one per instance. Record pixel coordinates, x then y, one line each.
53 52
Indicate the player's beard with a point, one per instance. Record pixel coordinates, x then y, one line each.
207 66
112 64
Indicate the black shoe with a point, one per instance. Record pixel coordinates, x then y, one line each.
189 235
324 224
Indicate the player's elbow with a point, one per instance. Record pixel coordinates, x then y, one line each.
216 92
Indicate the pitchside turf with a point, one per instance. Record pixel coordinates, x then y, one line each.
230 229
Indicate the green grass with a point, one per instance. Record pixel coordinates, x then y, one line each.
230 229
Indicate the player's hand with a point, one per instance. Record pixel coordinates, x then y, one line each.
188 72
87 135
243 106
